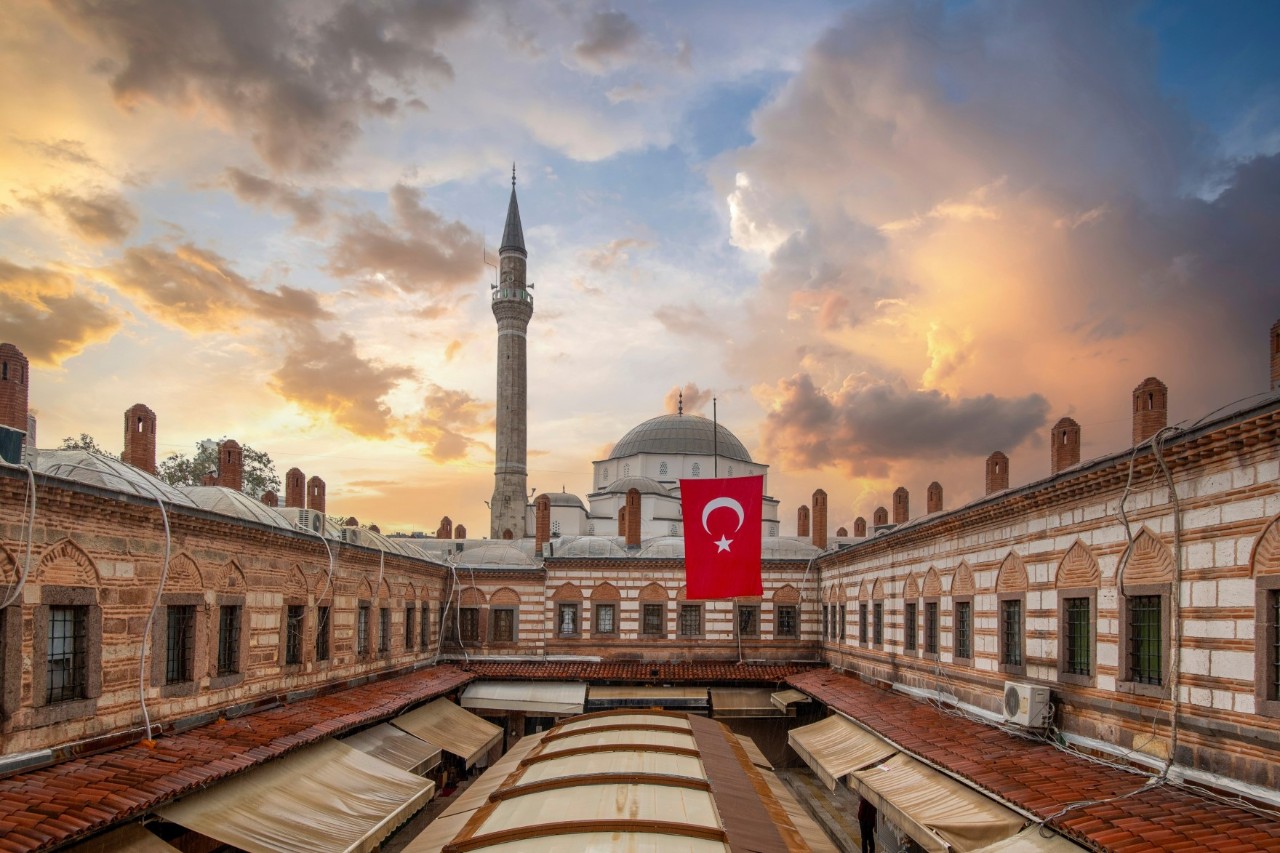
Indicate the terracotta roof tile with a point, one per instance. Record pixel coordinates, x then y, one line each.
643 671
52 805
1041 779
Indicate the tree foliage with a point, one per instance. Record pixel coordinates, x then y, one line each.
84 442
260 476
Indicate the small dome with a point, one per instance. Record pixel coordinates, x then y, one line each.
664 548
786 548
680 434
565 499
226 501
591 546
644 485
494 556
106 473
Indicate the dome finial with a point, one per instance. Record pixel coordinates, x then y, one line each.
680 404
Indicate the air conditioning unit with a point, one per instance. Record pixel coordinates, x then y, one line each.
309 519
1027 705
351 535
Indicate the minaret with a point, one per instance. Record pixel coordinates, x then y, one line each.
512 308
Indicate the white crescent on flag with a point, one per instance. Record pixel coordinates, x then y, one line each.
725 503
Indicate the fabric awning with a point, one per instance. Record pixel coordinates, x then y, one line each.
127 839
453 729
784 699
1031 841
753 752
600 698
397 748
939 813
809 830
743 702
835 747
324 797
537 697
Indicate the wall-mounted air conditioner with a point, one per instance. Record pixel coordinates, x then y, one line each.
1027 705
351 535
309 519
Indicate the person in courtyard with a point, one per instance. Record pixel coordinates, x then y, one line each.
867 825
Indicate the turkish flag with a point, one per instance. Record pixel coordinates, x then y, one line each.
722 536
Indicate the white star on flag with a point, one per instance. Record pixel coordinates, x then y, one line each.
722 544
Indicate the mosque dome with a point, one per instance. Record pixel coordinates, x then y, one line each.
565 499
226 501
494 556
643 485
664 548
681 434
591 546
107 473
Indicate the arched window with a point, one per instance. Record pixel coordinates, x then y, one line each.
697 470
662 469
555 528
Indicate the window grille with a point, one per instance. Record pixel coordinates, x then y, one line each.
362 630
424 628
909 626
470 618
877 611
964 629
1079 636
384 629
408 627
787 620
66 661
1274 608
179 643
748 621
844 610
1011 632
605 618
322 633
1145 640
293 638
568 621
690 620
653 619
931 627
862 623
504 625
228 639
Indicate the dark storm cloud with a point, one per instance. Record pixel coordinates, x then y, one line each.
49 318
862 428
94 215
419 251
609 39
296 83
307 209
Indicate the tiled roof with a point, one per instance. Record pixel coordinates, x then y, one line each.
42 808
1042 779
643 671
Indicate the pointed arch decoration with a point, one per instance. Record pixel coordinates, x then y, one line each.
384 590
1078 569
8 567
1012 576
864 591
932 584
605 592
786 595
1266 551
842 594
231 579
295 583
505 596
877 590
184 575
654 592
66 564
911 589
1146 561
567 591
471 597
962 583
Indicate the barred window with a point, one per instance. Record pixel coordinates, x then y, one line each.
504 624
690 620
1011 632
567 620
424 627
228 639
877 610
748 620
826 621
409 634
606 618
1079 636
470 621
362 630
322 633
862 622
964 629
653 619
931 627
844 611
1274 612
180 643
66 661
909 626
787 622
293 638
384 629
1145 640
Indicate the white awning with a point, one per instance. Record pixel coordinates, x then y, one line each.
784 699
809 830
753 752
453 729
398 748
835 747
939 813
743 702
127 839
537 697
1031 841
644 697
324 797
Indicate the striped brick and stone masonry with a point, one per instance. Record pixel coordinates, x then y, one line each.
230 465
315 494
14 387
140 438
997 472
820 518
901 505
295 489
1150 409
860 526
933 498
1064 445
802 522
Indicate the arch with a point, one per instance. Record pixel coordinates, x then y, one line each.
1266 551
8 567
1147 561
184 575
1078 569
66 564
911 589
864 591
606 592
1012 576
505 596
384 590
507 534
231 579
932 584
295 583
654 592
828 594
681 594
409 592
786 595
566 592
471 597
877 590
962 582
842 594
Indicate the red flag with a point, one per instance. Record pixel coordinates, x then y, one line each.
722 536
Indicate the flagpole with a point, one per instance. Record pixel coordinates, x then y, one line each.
715 441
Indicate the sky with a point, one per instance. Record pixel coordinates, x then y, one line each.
887 237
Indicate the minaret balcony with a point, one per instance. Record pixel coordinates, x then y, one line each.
516 294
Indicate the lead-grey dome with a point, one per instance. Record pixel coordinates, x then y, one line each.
675 434
643 485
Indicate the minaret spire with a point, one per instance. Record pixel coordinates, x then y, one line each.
680 404
513 233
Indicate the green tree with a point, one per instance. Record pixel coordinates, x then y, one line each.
85 442
260 476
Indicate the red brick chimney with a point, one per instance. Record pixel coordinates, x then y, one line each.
820 518
460 532
933 498
541 523
997 472
1275 355
295 489
445 530
271 499
880 517
209 479
351 522
802 522
841 533
622 520
860 526
15 377
1064 444
633 518
373 528
140 438
901 505
1150 409
315 494
230 465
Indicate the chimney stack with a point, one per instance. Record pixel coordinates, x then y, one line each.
445 530
460 532
622 520
541 523
860 527
140 438
820 519
315 494
230 465
1064 445
15 376
271 499
295 489
880 518
1150 409
842 533
933 498
997 472
802 522
633 518
901 505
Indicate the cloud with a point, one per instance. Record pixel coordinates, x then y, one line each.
44 314
326 376
419 251
447 421
307 209
97 216
689 319
296 82
865 425
196 290
612 253
609 42
694 399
